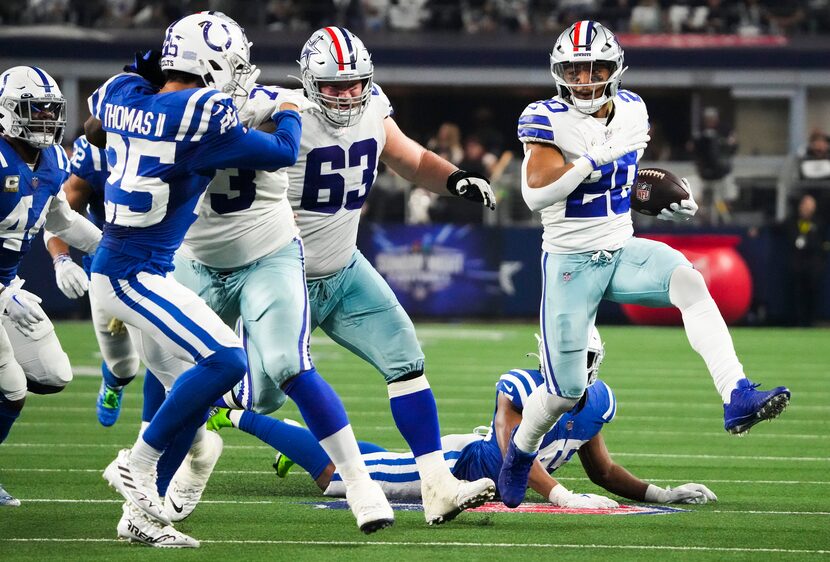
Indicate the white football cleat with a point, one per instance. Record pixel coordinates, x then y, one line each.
137 487
369 506
189 482
7 500
444 500
135 526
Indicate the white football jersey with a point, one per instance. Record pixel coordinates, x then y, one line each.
245 214
330 182
596 215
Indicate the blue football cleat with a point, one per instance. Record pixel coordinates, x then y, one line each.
514 474
748 406
108 405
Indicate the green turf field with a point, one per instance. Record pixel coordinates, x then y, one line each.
774 485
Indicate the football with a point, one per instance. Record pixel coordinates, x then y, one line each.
655 190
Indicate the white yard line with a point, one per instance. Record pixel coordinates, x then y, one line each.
645 547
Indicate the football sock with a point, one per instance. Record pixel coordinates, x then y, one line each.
297 443
154 394
416 415
541 411
193 393
326 418
706 329
143 456
7 419
173 456
111 380
709 336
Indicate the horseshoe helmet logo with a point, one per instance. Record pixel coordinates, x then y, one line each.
206 33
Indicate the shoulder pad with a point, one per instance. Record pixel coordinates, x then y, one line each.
379 98
603 402
536 121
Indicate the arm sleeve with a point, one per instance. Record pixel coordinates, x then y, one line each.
540 197
254 149
70 226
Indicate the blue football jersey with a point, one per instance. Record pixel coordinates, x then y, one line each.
574 428
90 164
25 200
162 151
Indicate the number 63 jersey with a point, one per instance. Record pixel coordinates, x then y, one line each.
331 180
596 215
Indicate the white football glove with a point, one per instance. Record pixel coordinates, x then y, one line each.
563 497
472 186
682 211
297 97
617 147
687 493
71 278
22 306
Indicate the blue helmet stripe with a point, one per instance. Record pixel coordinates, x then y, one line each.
352 58
46 85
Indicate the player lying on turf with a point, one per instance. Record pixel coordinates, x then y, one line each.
476 455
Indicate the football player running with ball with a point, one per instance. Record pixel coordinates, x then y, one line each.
339 152
581 153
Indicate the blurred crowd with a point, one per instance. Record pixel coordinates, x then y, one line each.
743 17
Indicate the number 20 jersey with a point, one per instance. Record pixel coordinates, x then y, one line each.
330 181
596 215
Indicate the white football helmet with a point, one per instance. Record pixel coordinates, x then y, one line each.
596 353
335 54
32 107
592 43
213 47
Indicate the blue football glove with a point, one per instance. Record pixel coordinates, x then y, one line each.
147 66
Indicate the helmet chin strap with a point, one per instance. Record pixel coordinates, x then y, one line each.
589 107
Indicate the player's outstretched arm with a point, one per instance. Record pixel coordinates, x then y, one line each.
257 150
603 471
423 167
70 226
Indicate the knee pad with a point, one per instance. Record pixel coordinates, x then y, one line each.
41 357
119 354
687 287
268 400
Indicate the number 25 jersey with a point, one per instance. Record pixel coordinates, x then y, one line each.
596 215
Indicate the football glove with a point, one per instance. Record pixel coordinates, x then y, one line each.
617 147
682 211
71 278
297 98
22 307
146 65
687 493
563 497
472 186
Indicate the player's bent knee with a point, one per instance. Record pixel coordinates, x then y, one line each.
687 287
232 362
268 401
124 368
36 387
